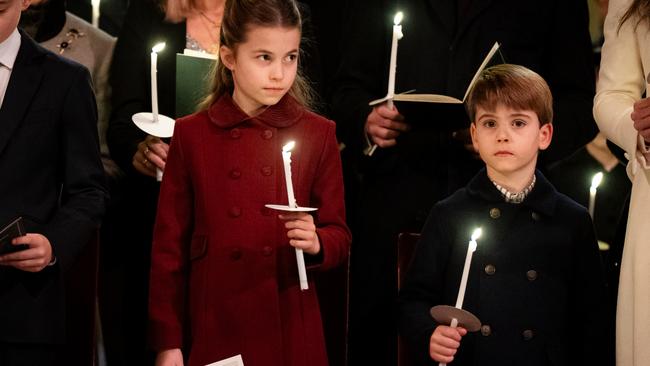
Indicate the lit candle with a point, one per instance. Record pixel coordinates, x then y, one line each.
595 182
471 248
397 35
286 159
154 83
95 16
300 257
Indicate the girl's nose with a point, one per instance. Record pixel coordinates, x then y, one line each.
277 72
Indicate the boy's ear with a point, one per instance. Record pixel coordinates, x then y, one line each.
545 136
473 132
227 56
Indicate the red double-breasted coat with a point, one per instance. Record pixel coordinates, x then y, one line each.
224 279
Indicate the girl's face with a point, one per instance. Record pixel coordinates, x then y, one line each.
263 67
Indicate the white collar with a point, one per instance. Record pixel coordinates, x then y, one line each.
9 49
515 197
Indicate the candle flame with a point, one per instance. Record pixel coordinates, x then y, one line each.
477 233
158 47
398 18
596 180
289 146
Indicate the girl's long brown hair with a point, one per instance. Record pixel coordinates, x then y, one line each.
238 17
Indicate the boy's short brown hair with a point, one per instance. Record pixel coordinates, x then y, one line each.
513 86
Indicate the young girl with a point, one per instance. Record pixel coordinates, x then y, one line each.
224 278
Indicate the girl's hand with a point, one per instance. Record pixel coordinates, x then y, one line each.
444 343
301 231
151 154
641 117
170 357
32 259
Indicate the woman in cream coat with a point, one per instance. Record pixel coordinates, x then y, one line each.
624 116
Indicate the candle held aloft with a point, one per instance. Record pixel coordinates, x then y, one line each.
154 79
397 35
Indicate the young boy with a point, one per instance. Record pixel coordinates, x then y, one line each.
535 279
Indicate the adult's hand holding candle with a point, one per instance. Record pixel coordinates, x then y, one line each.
397 35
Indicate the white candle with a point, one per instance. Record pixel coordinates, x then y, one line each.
471 248
286 159
300 257
95 16
595 182
397 35
154 83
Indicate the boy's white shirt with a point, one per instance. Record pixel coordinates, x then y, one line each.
8 52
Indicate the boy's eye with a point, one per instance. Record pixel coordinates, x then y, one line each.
264 57
518 123
489 123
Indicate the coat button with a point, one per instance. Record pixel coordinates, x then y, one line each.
235 133
267 251
234 211
527 335
531 275
490 269
235 254
266 171
486 330
267 134
235 174
265 211
535 216
495 213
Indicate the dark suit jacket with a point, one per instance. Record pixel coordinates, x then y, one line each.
53 177
535 280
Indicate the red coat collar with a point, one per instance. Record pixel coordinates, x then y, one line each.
226 114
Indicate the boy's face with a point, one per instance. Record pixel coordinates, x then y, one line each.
508 140
9 16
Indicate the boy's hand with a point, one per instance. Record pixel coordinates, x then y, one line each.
301 231
151 154
170 357
641 117
384 125
444 343
32 259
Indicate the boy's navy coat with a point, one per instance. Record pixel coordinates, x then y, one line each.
51 174
535 280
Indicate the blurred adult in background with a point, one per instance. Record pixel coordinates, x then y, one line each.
423 158
623 115
111 13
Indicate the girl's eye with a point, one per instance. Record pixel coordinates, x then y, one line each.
264 57
291 58
519 123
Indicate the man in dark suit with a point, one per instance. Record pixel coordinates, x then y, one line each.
424 158
51 176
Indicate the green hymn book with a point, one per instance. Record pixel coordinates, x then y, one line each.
193 80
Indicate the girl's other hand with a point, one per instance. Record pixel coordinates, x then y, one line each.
444 343
151 154
170 357
301 231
